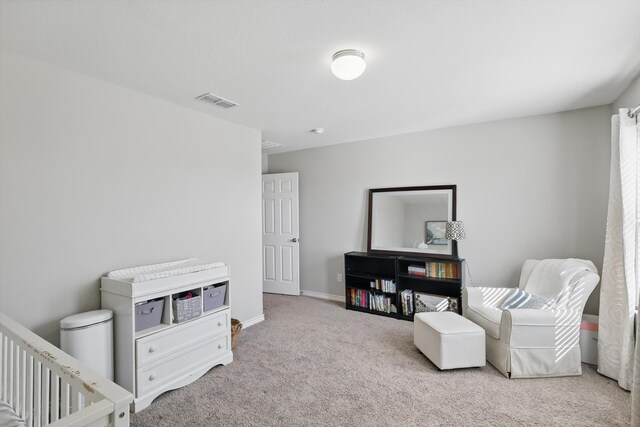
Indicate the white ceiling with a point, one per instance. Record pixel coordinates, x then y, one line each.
431 64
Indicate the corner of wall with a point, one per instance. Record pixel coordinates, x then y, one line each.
629 98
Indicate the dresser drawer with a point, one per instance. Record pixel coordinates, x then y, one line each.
157 346
191 358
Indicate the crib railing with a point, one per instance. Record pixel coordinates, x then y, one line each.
47 387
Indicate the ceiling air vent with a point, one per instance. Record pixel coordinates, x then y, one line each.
269 145
216 100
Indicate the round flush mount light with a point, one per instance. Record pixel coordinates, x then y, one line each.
317 131
348 64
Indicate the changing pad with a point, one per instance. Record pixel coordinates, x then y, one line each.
159 271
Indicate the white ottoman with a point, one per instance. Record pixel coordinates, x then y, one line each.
449 340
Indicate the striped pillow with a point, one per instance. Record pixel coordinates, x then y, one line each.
522 299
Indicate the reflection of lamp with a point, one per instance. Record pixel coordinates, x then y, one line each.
454 232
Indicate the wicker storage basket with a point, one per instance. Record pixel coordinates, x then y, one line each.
236 326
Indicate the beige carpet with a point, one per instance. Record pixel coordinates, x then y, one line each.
313 363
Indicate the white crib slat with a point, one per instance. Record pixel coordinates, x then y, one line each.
65 390
17 381
45 395
55 397
16 377
3 367
75 397
37 392
10 391
8 372
22 383
29 391
84 400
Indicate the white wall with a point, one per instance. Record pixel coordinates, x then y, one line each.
533 187
95 177
265 163
414 225
389 231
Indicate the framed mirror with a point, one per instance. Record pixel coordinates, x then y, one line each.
411 220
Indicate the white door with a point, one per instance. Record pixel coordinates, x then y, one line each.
280 247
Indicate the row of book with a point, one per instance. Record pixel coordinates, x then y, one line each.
440 270
383 285
381 302
359 297
367 299
406 302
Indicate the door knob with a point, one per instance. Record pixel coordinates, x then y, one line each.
294 240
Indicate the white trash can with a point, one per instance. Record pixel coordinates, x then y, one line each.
89 338
589 339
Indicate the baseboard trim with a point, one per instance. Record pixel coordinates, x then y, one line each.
320 295
253 321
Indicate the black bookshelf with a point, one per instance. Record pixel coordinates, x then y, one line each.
425 283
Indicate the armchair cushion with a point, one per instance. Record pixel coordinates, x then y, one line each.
486 317
483 296
521 299
532 328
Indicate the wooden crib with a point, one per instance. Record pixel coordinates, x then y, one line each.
44 386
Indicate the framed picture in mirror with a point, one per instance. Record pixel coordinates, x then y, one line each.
436 232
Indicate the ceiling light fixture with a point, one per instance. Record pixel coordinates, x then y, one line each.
348 64
317 131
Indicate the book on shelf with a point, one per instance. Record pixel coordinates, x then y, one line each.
442 270
381 302
359 297
417 270
383 285
406 302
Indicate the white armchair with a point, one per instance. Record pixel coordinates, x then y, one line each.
530 343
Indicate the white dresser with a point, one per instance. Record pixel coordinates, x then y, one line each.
169 355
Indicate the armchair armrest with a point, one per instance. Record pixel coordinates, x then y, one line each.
534 328
482 296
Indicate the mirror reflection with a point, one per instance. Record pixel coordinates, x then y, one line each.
411 219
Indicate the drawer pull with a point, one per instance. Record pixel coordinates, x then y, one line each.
219 346
152 377
219 323
152 349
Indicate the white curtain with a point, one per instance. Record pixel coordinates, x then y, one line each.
620 278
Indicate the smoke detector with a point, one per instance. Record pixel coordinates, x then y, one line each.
216 100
